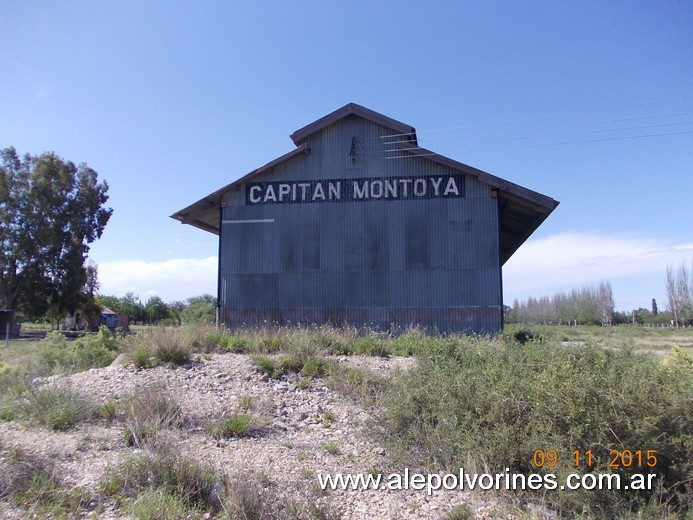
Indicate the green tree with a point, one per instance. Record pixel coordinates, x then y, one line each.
176 309
112 302
156 309
131 305
200 309
50 211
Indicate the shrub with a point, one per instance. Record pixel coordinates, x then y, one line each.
19 470
173 346
293 362
303 363
498 404
524 336
202 337
328 417
270 345
460 513
266 365
303 383
331 448
413 341
235 426
142 357
89 351
12 379
245 402
108 411
332 341
170 346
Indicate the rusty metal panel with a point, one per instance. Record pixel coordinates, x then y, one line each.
479 320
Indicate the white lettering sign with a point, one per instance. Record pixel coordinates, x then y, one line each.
353 190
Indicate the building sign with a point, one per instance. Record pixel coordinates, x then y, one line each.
355 190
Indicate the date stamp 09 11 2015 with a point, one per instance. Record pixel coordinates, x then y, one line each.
637 459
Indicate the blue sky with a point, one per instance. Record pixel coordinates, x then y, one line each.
169 101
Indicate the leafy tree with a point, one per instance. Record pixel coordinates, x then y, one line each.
50 211
203 298
200 309
640 316
112 302
175 309
131 305
156 309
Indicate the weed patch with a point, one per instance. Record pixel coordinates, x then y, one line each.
58 355
148 410
358 384
498 402
167 473
56 407
31 482
304 363
251 497
235 426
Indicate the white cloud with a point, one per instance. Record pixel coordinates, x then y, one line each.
175 279
568 260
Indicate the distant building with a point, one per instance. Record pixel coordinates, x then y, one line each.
360 225
8 324
82 321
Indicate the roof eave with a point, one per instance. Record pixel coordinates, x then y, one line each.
191 214
525 206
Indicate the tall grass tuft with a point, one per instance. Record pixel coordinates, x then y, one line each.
149 410
57 407
249 497
166 471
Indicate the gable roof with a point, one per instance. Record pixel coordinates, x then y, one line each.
521 210
299 136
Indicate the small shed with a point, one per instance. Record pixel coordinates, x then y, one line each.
112 320
81 321
8 323
360 225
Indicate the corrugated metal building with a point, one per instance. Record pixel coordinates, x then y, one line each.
360 225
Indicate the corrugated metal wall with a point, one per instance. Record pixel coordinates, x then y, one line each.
433 262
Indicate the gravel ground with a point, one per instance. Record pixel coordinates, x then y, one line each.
287 454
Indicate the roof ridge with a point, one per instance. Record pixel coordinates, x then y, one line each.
352 108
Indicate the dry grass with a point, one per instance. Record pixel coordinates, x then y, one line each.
149 410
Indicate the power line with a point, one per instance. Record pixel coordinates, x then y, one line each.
651 103
567 125
551 136
414 155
